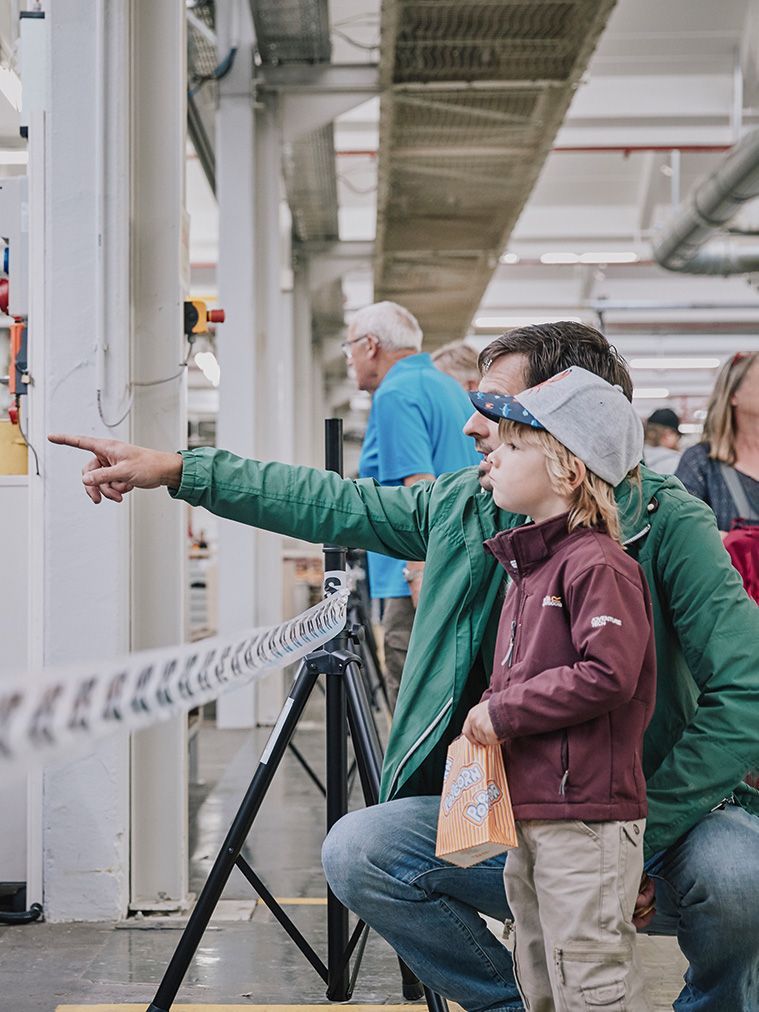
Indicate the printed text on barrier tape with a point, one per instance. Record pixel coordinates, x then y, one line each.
46 712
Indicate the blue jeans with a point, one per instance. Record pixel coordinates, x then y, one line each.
381 863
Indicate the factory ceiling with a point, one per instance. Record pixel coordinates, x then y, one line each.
473 94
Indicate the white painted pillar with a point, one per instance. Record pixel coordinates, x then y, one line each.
79 555
160 280
274 381
306 429
239 387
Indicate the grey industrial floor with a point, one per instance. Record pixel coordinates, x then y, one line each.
239 963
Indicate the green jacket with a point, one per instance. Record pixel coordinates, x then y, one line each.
704 734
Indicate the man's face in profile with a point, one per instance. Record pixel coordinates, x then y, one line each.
505 376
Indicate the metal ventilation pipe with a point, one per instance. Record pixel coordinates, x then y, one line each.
684 247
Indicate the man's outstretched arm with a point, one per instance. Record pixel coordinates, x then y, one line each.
116 468
301 502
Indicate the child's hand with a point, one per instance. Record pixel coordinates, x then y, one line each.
478 727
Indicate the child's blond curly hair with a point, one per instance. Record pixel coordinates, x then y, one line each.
592 502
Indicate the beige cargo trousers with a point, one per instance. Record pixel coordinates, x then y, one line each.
572 887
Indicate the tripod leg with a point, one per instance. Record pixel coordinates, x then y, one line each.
235 839
366 743
435 1002
338 987
368 750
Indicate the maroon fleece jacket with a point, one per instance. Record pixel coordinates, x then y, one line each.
574 676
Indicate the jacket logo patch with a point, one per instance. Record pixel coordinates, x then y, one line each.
600 620
552 601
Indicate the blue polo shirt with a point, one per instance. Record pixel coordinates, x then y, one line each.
415 427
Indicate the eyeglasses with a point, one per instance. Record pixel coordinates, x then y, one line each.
345 347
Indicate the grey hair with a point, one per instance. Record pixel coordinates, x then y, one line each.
393 326
459 360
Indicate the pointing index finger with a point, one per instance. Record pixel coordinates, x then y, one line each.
79 442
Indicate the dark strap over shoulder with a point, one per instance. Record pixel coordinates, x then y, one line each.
744 508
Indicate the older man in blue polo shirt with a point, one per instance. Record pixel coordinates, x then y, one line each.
415 433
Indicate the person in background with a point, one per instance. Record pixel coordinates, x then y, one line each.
661 451
414 434
459 360
723 469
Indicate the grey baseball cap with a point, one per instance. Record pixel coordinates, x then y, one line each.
592 418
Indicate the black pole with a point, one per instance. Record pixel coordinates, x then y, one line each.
338 986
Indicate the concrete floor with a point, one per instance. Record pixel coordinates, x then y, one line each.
246 959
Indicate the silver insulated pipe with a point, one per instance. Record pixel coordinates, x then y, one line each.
683 246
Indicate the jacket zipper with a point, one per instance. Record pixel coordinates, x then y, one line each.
564 762
507 659
510 653
425 734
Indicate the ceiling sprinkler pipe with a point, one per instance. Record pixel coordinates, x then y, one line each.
684 246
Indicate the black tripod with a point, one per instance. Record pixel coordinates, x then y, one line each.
347 706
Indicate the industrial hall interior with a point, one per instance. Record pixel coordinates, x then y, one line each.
379 505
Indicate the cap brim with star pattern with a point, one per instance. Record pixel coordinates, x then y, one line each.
498 407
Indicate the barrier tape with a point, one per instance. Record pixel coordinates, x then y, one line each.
45 714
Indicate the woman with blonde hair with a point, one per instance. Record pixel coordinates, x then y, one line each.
723 469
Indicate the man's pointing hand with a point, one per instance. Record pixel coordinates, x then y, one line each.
116 468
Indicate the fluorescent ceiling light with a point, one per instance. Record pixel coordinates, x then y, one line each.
650 393
509 258
681 362
507 322
208 365
560 258
10 85
609 257
14 156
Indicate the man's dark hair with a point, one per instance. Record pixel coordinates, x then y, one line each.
553 347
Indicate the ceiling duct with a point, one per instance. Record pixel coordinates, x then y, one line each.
684 246
473 94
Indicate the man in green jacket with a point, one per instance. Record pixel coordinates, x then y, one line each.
702 836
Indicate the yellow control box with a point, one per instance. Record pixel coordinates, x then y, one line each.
13 452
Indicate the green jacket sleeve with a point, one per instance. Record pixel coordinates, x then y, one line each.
307 503
718 628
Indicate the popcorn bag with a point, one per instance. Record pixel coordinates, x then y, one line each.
476 821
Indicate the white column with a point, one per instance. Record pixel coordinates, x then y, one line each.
275 380
239 387
307 438
160 280
79 554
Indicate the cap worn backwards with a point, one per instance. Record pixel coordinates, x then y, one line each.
592 418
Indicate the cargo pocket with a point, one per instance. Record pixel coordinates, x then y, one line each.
592 977
630 865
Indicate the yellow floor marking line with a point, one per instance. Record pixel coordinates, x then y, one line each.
300 901
229 1008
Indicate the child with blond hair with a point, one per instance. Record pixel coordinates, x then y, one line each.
572 690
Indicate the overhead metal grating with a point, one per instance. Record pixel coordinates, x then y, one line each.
297 31
311 185
202 60
473 94
292 31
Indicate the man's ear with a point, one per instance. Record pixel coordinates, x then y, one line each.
372 346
